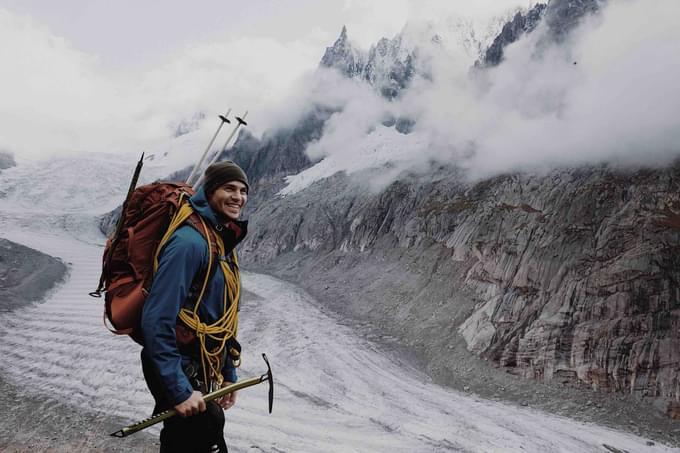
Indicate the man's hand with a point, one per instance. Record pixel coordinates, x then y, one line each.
228 400
191 406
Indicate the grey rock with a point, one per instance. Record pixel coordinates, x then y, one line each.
521 24
6 160
26 275
404 125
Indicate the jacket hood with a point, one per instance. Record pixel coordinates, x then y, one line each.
199 201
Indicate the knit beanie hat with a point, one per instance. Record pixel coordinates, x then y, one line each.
221 173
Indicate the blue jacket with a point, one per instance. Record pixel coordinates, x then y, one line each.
183 257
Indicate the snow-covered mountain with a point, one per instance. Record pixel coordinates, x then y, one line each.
390 65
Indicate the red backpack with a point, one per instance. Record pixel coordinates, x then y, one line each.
128 262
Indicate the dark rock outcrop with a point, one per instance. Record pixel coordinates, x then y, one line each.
521 24
26 275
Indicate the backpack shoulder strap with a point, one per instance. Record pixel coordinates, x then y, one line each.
206 274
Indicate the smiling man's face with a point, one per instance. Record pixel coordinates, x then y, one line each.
229 198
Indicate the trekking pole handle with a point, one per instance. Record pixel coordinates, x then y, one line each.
154 419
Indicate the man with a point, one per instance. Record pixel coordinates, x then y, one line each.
176 368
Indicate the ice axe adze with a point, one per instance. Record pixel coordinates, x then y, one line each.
209 397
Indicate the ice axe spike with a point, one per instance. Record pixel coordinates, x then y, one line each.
197 167
209 397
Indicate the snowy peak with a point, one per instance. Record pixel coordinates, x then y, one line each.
389 65
343 56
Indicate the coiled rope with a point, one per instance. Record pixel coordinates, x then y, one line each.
224 328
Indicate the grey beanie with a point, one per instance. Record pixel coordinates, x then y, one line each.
221 173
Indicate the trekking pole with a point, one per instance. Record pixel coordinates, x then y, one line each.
119 224
197 167
241 122
209 397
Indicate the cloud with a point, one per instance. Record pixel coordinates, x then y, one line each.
56 99
609 93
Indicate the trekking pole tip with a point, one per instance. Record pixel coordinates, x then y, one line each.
118 433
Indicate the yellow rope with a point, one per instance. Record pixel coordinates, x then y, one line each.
225 327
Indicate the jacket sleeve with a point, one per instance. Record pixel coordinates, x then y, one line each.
228 371
179 261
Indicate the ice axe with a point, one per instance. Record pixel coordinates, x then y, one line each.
209 397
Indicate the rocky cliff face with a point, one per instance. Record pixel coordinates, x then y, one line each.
572 276
521 24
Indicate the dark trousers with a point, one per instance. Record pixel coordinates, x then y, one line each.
201 433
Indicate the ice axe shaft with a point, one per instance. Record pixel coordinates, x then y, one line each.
209 397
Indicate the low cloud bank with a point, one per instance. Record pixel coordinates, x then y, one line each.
608 93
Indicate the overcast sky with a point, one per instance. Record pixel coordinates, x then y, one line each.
97 75
127 32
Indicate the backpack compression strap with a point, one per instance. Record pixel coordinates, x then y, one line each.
224 328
